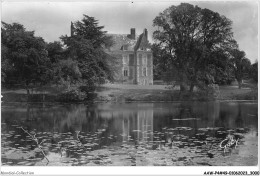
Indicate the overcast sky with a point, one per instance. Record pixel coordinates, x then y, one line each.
50 20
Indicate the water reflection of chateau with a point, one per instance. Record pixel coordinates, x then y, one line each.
139 128
134 122
143 122
145 125
107 124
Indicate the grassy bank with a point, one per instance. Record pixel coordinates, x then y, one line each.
126 93
119 93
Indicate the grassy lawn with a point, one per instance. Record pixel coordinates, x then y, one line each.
124 92
119 92
227 92
136 87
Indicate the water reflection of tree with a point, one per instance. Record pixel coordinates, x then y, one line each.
190 114
182 111
52 118
239 120
94 120
231 115
71 118
74 119
38 117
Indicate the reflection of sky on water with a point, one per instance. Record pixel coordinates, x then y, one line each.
107 125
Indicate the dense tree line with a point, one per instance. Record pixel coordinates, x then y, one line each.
28 61
195 47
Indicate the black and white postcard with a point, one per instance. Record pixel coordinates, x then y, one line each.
129 87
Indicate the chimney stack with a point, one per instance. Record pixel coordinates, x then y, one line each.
145 33
132 32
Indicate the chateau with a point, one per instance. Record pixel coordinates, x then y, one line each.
134 56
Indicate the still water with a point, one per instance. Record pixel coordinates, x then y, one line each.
122 134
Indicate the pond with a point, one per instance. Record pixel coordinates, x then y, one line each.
129 134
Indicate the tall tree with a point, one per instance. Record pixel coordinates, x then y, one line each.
6 65
190 37
86 47
25 57
55 51
241 65
254 71
163 69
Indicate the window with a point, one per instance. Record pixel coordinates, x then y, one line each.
145 60
125 72
144 71
124 47
131 73
149 59
140 59
125 59
131 59
138 74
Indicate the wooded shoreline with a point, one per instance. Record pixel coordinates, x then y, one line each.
131 94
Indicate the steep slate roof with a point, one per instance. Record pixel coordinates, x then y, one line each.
142 42
122 40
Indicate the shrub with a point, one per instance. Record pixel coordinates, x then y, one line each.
72 96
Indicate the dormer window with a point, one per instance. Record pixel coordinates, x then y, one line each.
125 47
142 49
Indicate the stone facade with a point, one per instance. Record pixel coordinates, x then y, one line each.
135 59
